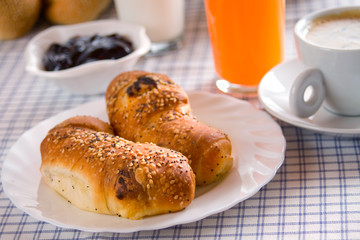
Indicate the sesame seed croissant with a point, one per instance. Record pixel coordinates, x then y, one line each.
150 107
96 171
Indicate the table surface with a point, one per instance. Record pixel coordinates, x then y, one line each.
314 195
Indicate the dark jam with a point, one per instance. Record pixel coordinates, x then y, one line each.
83 49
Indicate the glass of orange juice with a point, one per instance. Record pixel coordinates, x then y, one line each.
247 39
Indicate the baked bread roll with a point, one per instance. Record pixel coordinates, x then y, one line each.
96 171
74 11
149 107
18 17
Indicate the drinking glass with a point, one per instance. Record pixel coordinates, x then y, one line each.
164 21
247 39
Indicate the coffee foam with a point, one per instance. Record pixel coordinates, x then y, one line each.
337 31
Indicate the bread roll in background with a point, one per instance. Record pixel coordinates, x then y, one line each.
74 11
96 171
17 17
150 107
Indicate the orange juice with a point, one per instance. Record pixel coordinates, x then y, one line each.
247 38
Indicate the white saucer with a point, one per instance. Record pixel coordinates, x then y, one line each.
272 96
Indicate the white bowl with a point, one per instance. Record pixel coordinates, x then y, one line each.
93 77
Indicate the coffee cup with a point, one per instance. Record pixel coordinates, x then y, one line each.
327 71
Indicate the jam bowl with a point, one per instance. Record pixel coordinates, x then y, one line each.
92 77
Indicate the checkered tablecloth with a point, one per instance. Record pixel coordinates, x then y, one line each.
314 195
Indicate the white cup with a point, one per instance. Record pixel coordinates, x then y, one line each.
324 75
164 21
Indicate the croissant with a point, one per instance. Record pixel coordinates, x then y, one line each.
150 107
99 172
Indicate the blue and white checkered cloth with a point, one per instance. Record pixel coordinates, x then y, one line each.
314 195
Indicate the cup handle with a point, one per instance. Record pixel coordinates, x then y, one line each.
307 92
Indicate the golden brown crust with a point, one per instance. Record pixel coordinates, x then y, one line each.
100 172
150 107
86 122
18 17
70 12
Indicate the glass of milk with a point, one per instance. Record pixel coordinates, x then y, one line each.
164 21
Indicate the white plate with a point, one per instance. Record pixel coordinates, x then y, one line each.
258 149
272 96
